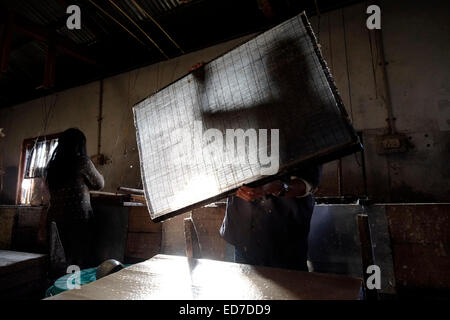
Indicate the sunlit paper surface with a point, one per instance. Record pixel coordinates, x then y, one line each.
277 80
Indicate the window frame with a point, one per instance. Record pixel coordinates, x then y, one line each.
26 144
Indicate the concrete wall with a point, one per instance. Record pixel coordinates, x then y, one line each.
418 62
417 55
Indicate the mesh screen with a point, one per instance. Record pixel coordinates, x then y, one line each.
277 80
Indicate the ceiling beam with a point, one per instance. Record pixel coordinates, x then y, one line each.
117 22
42 33
13 21
157 24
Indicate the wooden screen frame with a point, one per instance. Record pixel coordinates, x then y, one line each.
321 157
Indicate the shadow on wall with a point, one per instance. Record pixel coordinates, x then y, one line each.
291 98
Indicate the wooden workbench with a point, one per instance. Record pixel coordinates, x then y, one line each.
22 275
176 277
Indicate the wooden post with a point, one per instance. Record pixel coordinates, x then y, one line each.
191 239
366 252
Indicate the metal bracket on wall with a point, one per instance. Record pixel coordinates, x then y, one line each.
392 143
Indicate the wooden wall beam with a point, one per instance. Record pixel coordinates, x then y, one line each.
42 33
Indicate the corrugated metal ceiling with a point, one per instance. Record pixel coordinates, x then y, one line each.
123 34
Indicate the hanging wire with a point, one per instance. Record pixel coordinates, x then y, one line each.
318 21
347 64
174 69
157 24
374 60
116 21
140 29
330 43
123 129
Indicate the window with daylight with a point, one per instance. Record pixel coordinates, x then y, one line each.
36 154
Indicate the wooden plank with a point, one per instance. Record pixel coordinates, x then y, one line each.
109 197
192 244
106 194
207 222
22 274
26 228
174 277
29 217
13 259
130 190
173 235
365 240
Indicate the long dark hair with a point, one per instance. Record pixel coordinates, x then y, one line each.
71 146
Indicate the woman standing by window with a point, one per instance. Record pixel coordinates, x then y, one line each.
70 176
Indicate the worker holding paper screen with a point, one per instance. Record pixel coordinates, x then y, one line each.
269 225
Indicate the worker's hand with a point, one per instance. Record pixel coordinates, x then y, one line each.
296 188
249 194
274 187
197 66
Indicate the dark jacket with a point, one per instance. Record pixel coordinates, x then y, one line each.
70 200
272 231
70 208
